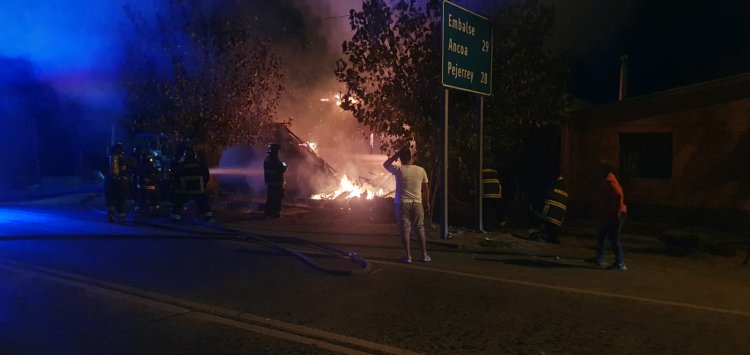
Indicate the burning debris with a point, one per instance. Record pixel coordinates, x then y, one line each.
348 189
361 198
367 198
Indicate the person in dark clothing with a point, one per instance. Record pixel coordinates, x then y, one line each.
493 214
190 179
552 215
146 182
116 184
273 171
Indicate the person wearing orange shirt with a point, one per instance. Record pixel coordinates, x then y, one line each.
613 212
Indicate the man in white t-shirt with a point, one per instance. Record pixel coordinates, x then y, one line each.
412 191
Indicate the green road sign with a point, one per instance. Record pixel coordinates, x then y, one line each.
467 50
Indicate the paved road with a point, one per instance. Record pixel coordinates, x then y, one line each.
99 288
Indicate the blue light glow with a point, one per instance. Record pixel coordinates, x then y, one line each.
60 89
30 221
17 215
73 44
56 221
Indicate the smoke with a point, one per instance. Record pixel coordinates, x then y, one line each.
61 65
59 91
307 35
310 53
72 45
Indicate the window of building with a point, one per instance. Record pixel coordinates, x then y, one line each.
646 155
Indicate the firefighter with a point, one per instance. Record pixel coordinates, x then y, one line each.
190 179
116 184
146 182
273 171
553 211
492 195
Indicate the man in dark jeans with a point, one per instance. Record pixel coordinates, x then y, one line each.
614 211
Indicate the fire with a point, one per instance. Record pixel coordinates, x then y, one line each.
312 145
339 99
349 189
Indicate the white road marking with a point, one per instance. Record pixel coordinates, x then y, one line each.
571 289
261 325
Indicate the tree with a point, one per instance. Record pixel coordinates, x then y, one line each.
529 87
530 97
392 74
206 79
392 78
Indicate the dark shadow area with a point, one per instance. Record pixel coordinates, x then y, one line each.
259 252
544 264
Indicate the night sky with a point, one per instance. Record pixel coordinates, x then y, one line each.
670 43
74 43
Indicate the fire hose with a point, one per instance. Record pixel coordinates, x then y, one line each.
276 243
268 241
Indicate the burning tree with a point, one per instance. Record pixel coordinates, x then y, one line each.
204 78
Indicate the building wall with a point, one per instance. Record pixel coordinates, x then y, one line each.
710 158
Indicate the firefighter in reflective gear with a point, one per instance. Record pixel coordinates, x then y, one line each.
116 184
553 211
492 199
190 178
146 182
273 171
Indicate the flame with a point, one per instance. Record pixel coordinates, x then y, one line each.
339 98
312 145
352 189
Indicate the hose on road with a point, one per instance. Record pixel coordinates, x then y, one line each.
276 243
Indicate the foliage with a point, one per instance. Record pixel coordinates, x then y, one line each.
392 70
206 79
529 88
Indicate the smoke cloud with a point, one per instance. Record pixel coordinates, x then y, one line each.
60 83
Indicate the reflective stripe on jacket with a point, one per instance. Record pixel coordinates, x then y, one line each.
191 178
